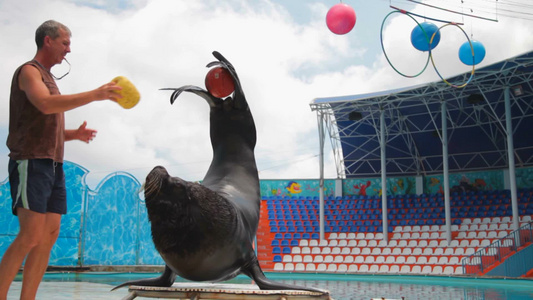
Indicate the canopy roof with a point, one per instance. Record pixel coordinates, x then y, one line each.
476 122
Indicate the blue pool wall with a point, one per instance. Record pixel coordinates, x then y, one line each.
109 225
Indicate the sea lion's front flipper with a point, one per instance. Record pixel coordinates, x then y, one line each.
253 270
211 100
165 280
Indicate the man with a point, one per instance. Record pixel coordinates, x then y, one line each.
36 142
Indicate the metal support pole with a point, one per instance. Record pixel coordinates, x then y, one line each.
321 135
384 215
510 153
445 167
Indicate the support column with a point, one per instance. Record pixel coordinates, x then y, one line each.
321 135
510 154
446 174
384 215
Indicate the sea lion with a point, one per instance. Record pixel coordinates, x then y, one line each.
205 232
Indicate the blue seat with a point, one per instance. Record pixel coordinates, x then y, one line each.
276 250
274 243
277 258
286 250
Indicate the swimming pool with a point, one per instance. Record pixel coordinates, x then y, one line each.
97 285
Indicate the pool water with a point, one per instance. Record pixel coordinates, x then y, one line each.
59 286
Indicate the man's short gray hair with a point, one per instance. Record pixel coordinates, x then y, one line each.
49 28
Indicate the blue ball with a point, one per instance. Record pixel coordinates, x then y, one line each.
465 53
420 41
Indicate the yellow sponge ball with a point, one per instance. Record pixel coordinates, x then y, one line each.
130 95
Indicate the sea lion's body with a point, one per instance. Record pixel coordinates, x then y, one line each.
205 232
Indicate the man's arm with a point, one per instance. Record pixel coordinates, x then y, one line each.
31 83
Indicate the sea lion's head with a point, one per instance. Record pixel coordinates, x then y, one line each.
162 190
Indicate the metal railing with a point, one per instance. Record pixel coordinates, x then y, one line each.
495 253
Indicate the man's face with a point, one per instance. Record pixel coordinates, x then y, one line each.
60 46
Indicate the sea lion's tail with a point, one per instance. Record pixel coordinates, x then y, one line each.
165 280
253 270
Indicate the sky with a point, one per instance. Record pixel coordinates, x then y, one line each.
282 51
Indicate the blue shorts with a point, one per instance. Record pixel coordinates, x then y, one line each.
38 185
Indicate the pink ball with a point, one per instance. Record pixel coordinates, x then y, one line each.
340 18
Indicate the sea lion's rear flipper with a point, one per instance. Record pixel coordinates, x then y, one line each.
165 280
253 270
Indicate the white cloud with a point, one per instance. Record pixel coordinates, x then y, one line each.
168 43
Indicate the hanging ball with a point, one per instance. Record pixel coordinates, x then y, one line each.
340 18
420 41
219 82
465 53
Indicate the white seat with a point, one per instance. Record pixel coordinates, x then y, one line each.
382 244
443 260
433 260
464 243
484 243
363 268
376 251
321 268
356 251
417 251
348 259
366 251
506 220
346 251
398 229
525 218
406 251
369 235
384 269
351 236
393 243
448 270
338 259
333 236
428 251
397 251
352 268
343 243
372 243
454 260
481 234
474 243
463 227
394 269
504 226
313 243
483 227
415 228
333 243
380 259
405 269
362 243
299 267
486 221
374 269
424 228
296 250
448 251
406 236
459 251
336 250
390 260
427 269
436 270
469 251
369 259
310 267
467 221
318 259
326 250
278 267
352 243
476 221
342 268
400 259
359 259
438 251
435 228
411 260
342 236
289 267
492 234
297 259
386 251
422 244
316 250
328 259
308 258
304 243
332 268
402 243
306 250
433 243
422 260
397 236
434 235
378 236
323 243
416 269
407 228
496 220
415 235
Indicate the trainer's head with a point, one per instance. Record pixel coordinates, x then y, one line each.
51 29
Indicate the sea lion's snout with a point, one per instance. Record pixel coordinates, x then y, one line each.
154 181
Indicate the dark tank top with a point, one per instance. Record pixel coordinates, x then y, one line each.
32 134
